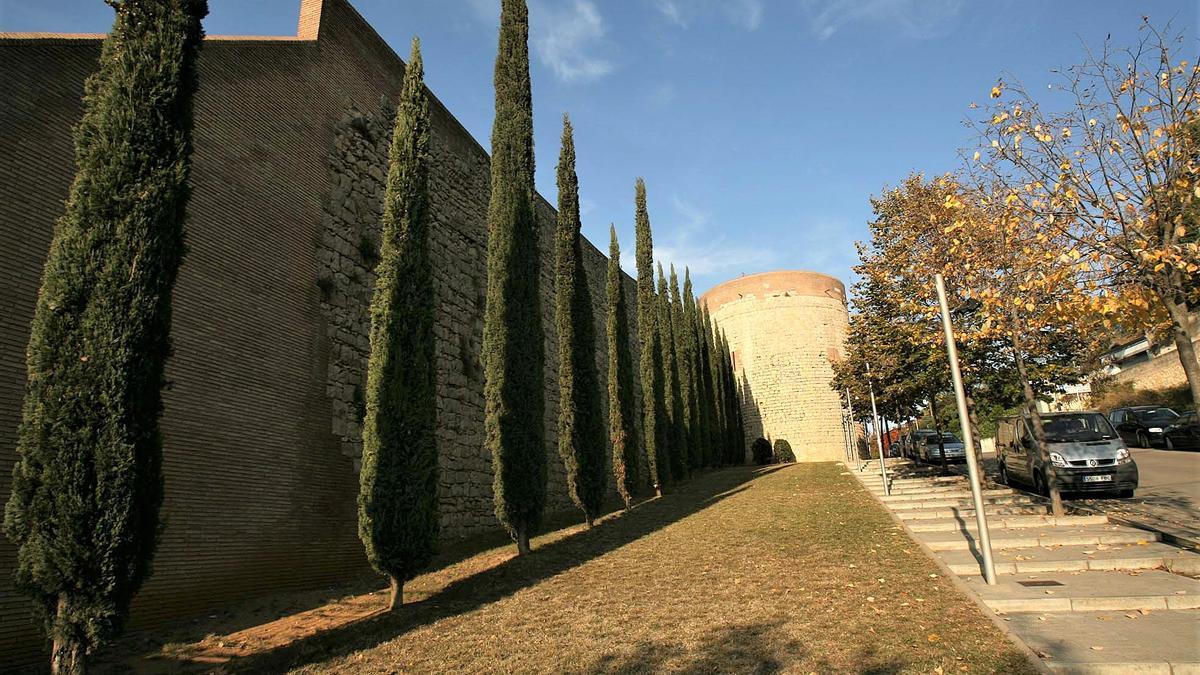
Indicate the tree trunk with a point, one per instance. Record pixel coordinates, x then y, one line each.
937 429
1039 433
886 438
977 446
396 588
68 655
1181 331
522 540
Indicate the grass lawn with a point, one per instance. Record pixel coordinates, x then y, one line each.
745 569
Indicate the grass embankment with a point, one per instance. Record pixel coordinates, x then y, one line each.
781 569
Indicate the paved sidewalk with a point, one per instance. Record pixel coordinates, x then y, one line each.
1086 595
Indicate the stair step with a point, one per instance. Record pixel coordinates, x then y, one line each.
966 502
1002 538
1146 556
969 513
1004 522
1091 592
958 494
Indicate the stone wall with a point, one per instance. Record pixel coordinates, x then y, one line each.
1160 372
261 419
785 329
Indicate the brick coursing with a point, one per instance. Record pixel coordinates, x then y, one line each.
260 454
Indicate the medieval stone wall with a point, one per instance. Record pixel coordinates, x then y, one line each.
261 420
785 329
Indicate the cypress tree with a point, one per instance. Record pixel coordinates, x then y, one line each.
580 418
398 481
620 379
512 326
87 484
685 359
675 449
699 370
649 356
717 376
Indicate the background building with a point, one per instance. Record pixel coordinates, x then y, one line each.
785 329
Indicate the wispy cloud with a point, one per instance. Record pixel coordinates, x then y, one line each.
670 9
745 14
915 19
565 38
692 243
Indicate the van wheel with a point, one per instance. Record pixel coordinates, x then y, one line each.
1143 441
1169 442
1003 480
1125 494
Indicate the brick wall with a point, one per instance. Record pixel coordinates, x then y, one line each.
785 329
260 466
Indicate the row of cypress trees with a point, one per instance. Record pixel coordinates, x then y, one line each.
691 417
88 485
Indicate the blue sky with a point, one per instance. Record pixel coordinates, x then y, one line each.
762 127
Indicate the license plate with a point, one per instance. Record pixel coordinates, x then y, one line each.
1097 479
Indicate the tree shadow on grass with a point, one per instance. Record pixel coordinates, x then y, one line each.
510 576
760 648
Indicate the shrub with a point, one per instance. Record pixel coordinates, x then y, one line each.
761 450
1108 397
783 452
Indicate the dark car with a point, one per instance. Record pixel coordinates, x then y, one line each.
1144 425
1184 433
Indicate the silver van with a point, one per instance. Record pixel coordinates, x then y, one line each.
926 446
1084 449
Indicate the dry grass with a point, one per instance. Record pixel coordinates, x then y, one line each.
741 570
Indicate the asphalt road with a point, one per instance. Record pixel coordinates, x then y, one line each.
1168 491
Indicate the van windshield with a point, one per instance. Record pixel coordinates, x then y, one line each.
946 438
1077 427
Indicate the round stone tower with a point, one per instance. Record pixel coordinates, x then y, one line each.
785 329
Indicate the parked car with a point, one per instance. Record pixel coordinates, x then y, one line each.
1083 449
1143 426
1183 433
925 442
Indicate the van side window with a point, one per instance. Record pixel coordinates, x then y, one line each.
1118 416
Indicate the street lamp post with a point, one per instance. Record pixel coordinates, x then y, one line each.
985 538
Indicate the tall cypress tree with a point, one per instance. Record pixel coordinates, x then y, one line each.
398 482
620 380
512 326
675 448
733 428
687 388
87 485
580 418
696 350
649 356
716 376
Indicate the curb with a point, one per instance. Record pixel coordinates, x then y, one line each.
1030 656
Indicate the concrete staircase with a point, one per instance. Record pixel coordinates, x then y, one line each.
1086 595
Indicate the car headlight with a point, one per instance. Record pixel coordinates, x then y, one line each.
1155 430
1122 456
1057 459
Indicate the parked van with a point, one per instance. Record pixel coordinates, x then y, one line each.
1084 449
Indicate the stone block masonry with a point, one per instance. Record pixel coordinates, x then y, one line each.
785 329
270 325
